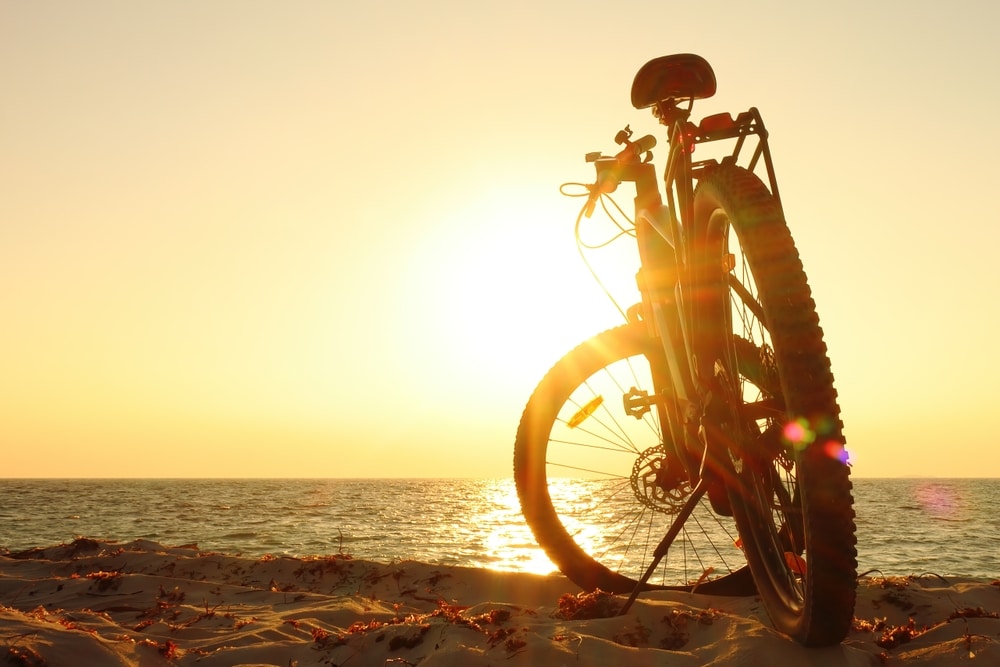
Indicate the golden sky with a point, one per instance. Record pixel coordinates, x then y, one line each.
246 238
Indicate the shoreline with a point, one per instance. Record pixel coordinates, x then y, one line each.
99 602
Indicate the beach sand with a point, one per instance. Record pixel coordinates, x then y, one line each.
140 603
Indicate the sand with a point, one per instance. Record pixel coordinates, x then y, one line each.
141 603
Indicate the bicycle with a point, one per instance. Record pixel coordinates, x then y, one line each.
707 423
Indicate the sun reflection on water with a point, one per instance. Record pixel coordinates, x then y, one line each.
507 539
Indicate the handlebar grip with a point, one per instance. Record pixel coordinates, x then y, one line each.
612 170
636 148
643 144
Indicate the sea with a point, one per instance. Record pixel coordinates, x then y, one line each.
904 526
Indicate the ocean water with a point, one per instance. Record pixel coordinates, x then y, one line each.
905 526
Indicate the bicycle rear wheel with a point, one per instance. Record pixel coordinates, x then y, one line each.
788 481
593 481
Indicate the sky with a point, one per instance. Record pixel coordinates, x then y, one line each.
325 239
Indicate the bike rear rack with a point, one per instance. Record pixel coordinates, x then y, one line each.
722 126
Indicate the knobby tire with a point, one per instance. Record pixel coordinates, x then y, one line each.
780 425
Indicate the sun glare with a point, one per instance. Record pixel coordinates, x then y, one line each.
510 293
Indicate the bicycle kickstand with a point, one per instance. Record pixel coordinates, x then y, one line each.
664 545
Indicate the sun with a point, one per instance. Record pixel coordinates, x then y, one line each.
511 294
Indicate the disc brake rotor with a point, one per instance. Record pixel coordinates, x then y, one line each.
654 486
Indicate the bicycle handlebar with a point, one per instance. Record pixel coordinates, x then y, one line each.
634 149
622 167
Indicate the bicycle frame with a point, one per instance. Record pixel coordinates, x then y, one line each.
665 277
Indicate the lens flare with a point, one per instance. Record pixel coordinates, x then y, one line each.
798 434
836 450
801 433
938 501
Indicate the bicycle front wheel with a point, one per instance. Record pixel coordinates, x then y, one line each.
774 409
593 483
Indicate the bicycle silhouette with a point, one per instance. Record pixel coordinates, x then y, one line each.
707 426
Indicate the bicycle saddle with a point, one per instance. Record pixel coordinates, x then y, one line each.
678 76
